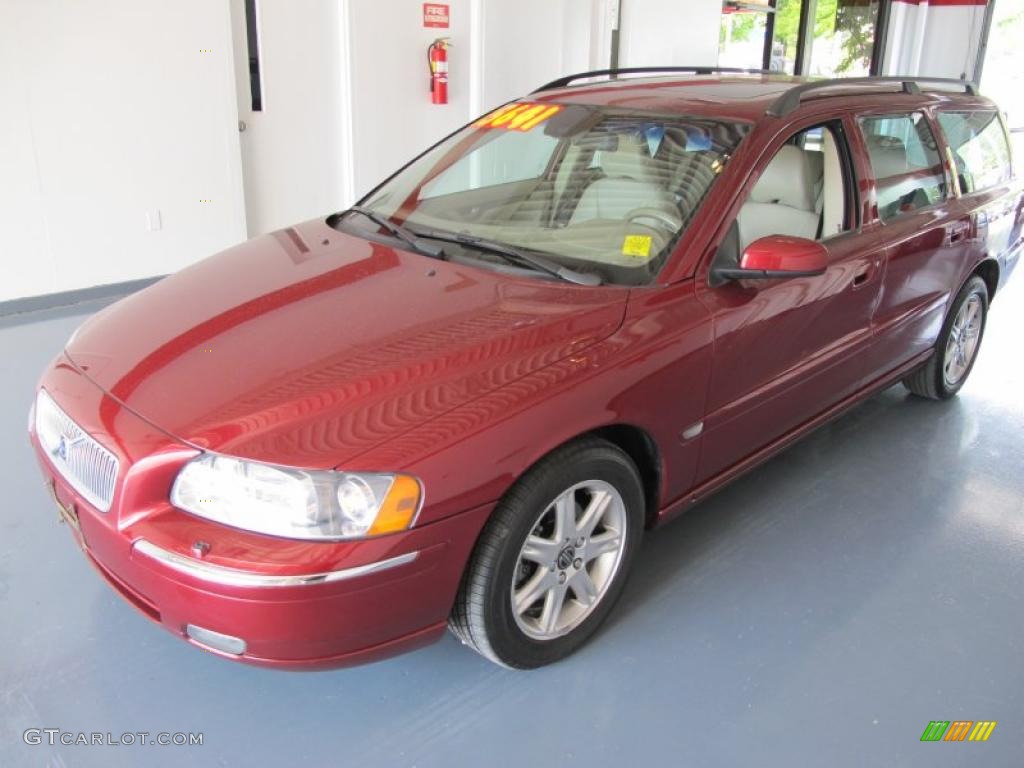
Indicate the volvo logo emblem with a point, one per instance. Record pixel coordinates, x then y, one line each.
65 444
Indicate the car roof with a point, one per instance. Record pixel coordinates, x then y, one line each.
743 97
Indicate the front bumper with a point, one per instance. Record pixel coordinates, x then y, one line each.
235 577
293 604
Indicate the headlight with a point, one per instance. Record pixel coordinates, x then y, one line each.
295 503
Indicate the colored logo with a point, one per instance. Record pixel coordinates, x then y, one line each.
958 730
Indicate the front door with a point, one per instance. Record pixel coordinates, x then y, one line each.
786 350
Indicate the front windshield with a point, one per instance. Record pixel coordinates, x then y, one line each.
598 190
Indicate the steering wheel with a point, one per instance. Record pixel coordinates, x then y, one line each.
665 220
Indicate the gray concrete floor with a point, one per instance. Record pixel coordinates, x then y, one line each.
820 611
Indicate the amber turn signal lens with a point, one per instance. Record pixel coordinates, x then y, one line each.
399 507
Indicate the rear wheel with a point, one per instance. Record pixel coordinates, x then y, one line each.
553 559
957 347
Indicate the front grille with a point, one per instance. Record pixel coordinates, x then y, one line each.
87 466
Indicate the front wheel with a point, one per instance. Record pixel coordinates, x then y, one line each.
957 347
554 557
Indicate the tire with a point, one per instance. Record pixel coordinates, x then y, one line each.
588 475
955 351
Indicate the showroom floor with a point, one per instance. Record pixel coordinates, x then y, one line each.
820 611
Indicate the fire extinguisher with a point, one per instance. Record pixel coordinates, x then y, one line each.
437 58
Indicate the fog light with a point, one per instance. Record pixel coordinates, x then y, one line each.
215 640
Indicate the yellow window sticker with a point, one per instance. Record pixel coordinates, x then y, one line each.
638 246
519 116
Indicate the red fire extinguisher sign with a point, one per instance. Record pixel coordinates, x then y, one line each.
435 15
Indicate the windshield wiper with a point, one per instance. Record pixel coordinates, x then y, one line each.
406 236
517 257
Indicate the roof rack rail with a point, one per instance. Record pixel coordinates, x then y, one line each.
790 100
705 70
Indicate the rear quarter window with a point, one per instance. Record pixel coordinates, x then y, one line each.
980 151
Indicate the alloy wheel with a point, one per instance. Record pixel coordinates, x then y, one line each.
962 343
569 560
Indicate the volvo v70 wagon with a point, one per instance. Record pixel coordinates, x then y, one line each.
461 402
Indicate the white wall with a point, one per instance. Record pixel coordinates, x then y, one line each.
531 42
392 117
113 108
292 149
939 40
680 32
1002 77
501 49
109 110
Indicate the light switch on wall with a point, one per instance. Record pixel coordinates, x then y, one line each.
153 221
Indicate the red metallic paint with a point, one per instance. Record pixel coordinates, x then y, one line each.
780 253
316 362
314 348
318 624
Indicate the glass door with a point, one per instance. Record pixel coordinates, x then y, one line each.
786 37
742 34
825 38
760 35
843 39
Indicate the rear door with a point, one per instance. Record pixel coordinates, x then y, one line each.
978 148
927 235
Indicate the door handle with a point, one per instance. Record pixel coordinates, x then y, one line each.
864 274
957 232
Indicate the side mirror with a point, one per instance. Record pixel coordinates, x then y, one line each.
778 256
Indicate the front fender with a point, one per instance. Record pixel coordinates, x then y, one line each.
651 373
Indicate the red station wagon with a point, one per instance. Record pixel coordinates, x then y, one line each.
462 401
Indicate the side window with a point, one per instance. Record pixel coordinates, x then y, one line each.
906 163
802 192
979 148
517 157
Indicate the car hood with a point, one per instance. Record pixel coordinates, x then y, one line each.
309 346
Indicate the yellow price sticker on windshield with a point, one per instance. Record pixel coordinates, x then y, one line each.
518 117
637 245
